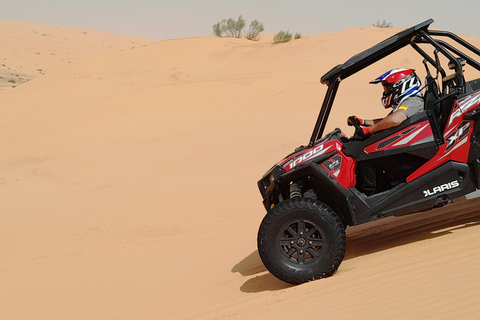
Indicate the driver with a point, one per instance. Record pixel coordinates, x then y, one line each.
403 93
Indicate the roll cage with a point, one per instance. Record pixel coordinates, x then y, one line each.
452 85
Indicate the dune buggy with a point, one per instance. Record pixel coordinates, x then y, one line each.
312 195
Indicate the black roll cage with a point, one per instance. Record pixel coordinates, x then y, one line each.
411 36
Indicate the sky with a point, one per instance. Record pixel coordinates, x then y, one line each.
168 19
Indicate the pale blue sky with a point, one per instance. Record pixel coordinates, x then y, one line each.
165 19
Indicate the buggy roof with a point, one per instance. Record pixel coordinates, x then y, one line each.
375 53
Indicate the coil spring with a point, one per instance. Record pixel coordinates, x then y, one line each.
295 190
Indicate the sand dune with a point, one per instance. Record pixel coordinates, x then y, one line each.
128 190
30 50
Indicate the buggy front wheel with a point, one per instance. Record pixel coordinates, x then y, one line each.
301 240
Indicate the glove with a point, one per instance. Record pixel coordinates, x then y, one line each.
355 120
362 133
367 131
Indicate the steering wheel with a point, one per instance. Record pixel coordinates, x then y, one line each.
355 124
358 135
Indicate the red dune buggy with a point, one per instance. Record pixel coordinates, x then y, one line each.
312 195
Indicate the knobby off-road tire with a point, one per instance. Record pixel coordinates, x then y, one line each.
301 240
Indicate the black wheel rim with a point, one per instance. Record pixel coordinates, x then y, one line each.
302 242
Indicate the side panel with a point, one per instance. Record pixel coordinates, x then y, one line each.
411 136
342 169
456 136
436 188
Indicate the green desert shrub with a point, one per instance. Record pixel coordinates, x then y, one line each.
229 28
254 30
282 37
383 24
217 30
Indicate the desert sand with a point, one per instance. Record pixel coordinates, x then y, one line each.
30 50
128 186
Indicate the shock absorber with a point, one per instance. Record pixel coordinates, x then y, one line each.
295 189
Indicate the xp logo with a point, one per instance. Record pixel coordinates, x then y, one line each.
443 187
457 135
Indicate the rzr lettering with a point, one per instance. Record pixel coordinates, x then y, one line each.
443 187
455 114
465 105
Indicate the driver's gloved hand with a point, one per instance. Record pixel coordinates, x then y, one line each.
354 120
362 133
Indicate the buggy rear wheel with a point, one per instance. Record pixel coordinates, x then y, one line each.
301 240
